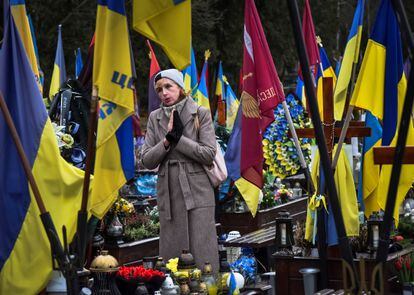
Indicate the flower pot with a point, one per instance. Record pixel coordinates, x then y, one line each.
126 286
408 289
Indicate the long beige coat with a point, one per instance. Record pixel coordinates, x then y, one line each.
184 194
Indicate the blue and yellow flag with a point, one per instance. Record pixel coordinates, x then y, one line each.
167 22
190 74
369 174
25 255
112 76
41 74
381 88
59 68
232 106
18 9
78 62
350 59
202 91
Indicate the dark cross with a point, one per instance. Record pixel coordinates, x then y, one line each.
385 155
332 131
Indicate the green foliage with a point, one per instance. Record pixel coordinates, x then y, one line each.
268 190
406 227
141 226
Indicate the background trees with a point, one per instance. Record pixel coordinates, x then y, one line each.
217 25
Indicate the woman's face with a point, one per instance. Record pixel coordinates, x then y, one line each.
168 91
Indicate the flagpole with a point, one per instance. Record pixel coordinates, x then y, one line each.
62 257
347 120
90 158
320 139
342 136
311 187
382 252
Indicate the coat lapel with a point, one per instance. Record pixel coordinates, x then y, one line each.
189 111
162 120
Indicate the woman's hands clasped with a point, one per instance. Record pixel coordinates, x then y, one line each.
175 128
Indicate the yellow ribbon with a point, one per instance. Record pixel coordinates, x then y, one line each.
314 204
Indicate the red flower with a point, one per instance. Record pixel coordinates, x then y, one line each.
139 272
399 263
408 262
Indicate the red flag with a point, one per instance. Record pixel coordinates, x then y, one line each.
262 92
85 76
308 30
153 99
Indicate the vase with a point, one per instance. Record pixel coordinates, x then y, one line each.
126 287
408 289
115 230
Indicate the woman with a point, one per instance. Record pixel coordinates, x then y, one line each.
180 139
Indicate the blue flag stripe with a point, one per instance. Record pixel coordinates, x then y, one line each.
126 147
387 33
17 2
176 2
358 19
114 5
29 115
233 153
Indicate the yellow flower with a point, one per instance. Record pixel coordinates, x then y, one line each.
172 264
125 208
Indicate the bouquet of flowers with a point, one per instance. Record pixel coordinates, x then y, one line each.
405 269
122 207
120 210
268 191
278 149
283 195
141 274
128 278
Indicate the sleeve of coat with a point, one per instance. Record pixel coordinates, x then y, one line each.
204 150
152 152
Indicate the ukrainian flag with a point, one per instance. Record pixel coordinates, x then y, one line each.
191 76
370 173
25 255
350 59
380 89
18 9
167 22
112 75
202 91
41 74
324 70
59 69
232 106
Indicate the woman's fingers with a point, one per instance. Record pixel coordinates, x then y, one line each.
171 122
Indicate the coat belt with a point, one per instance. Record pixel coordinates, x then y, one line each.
184 184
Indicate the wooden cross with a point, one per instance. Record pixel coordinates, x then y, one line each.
385 155
356 129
